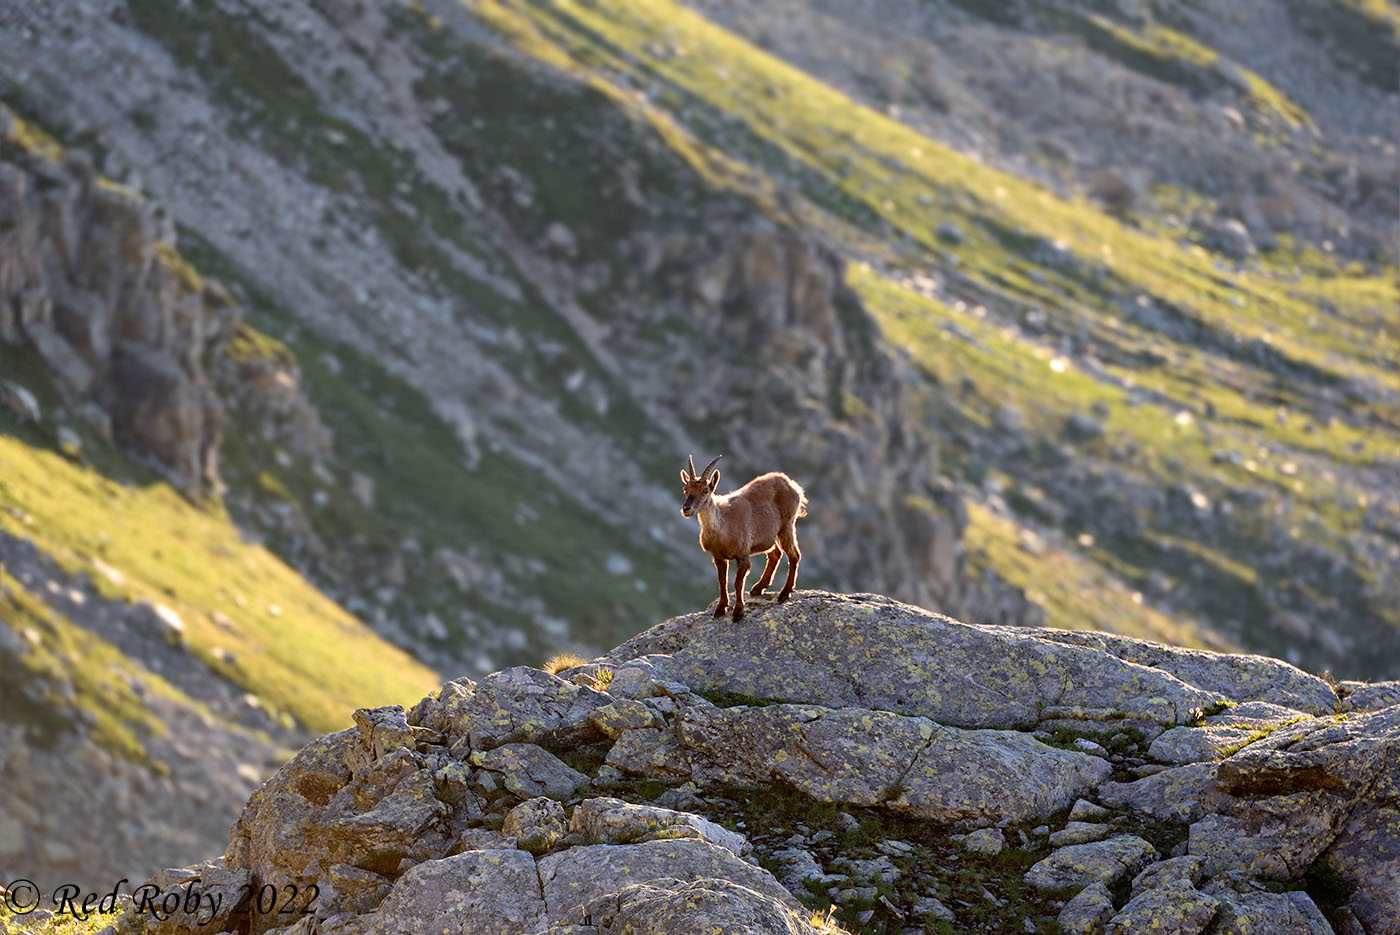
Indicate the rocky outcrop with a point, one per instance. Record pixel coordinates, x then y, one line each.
873 652
860 756
89 285
132 336
454 816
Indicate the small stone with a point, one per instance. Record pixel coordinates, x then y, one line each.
58 852
362 489
794 867
560 241
928 907
1089 747
20 401
853 895
1189 868
536 824
1230 237
895 848
986 841
950 233
1079 427
1084 810
70 442
1079 832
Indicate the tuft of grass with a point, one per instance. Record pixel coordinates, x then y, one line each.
561 661
1215 707
825 922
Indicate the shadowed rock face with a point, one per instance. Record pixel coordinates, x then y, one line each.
455 817
89 286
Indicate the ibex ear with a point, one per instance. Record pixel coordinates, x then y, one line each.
685 478
714 480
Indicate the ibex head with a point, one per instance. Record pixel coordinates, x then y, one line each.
698 489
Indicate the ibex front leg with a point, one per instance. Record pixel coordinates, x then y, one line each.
722 567
741 577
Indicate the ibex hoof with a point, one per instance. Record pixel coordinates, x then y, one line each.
738 614
756 590
783 595
721 610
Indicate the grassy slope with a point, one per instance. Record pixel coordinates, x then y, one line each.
292 646
1273 351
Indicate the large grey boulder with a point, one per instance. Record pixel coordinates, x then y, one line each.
1174 908
1108 862
1366 853
1368 696
327 806
873 652
526 705
1223 734
613 821
1286 798
1247 908
575 877
215 890
394 827
529 771
1182 794
475 893
859 756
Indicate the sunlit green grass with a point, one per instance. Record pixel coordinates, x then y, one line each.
1076 590
63 924
293 647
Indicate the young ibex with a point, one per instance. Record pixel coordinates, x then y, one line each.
760 516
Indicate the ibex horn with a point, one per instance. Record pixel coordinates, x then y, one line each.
691 459
706 473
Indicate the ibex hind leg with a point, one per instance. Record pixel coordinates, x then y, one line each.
787 541
770 568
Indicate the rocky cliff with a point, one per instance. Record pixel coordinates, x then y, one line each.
91 288
841 759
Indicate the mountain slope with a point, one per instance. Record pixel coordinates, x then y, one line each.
1079 314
